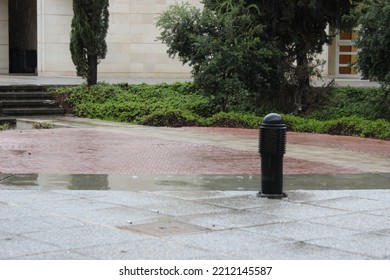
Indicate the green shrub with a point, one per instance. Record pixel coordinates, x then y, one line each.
171 118
299 124
234 119
181 104
132 103
226 49
349 126
366 103
355 126
42 125
4 126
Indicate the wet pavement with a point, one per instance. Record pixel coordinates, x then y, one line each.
100 190
196 224
91 189
81 146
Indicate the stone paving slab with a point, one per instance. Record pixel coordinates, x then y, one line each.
20 246
148 250
305 225
366 222
376 246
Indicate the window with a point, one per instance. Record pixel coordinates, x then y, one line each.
346 55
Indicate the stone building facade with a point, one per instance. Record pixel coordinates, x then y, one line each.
35 35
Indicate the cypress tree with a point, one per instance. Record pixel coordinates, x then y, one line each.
88 34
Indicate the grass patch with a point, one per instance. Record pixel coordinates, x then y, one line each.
4 126
42 125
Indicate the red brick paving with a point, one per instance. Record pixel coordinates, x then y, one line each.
88 151
347 143
91 151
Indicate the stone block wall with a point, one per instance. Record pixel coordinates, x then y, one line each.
132 47
4 43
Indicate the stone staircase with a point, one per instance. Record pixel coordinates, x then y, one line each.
27 100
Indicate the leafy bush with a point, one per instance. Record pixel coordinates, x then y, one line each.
355 126
366 103
300 124
373 42
234 119
231 60
172 118
349 126
131 103
42 125
181 104
4 126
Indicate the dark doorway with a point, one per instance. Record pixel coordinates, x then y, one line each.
22 36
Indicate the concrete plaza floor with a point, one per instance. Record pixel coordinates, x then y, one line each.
15 79
96 190
78 225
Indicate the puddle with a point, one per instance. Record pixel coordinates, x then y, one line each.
191 182
129 182
29 124
23 125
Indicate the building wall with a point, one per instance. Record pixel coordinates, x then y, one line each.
132 47
328 55
54 18
131 40
332 60
4 48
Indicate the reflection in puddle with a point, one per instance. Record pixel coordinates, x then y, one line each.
131 182
19 124
22 125
191 182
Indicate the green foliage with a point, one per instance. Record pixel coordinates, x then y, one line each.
133 103
242 50
42 125
4 126
350 101
172 118
88 34
374 41
234 119
356 126
299 30
348 126
231 62
181 104
300 124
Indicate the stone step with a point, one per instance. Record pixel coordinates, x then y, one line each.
23 88
28 103
4 120
25 95
32 111
25 100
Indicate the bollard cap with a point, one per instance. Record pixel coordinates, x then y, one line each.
272 137
273 119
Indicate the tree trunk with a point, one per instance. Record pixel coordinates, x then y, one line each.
92 70
386 99
303 79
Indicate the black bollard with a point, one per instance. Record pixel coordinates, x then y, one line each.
272 147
